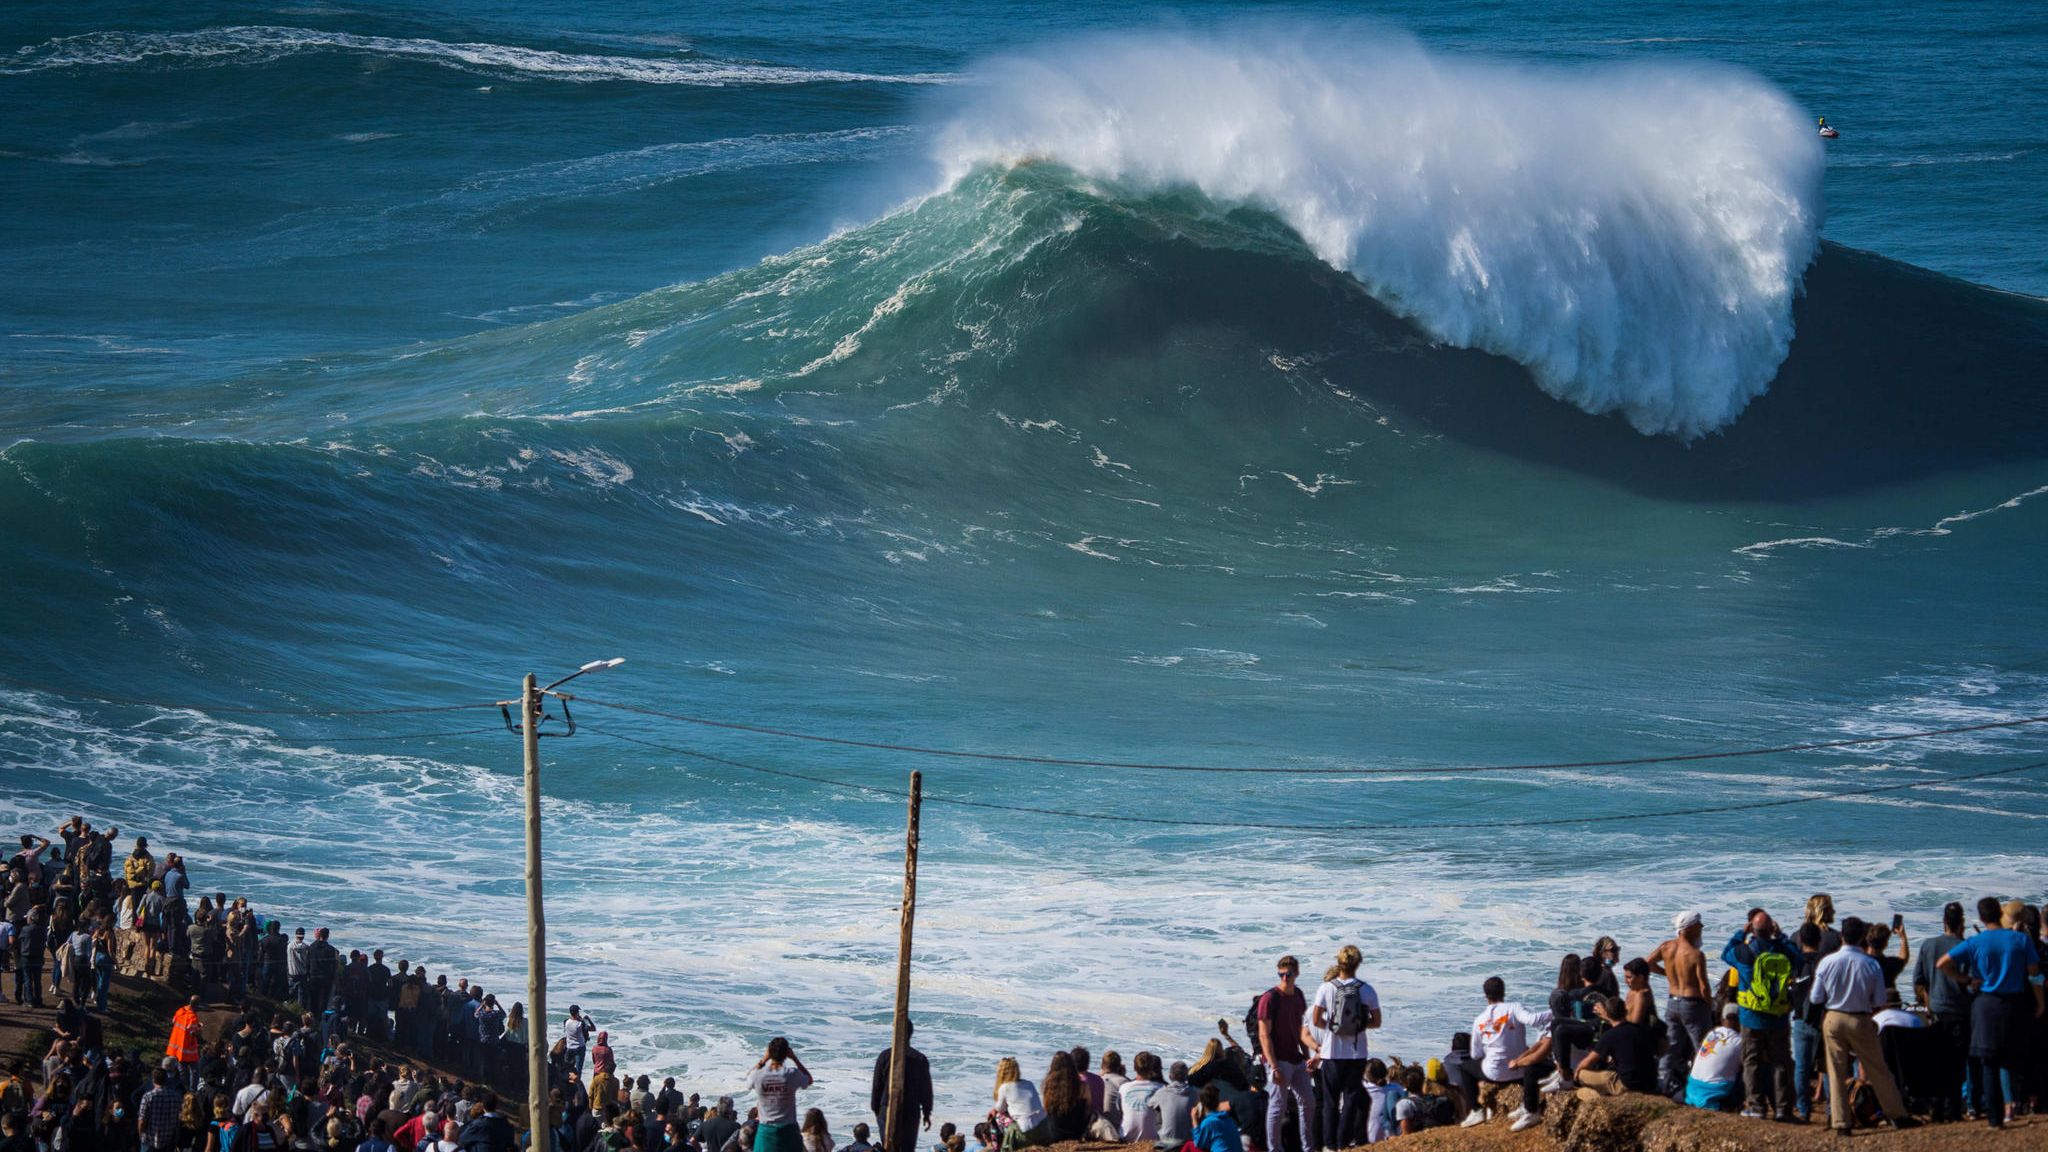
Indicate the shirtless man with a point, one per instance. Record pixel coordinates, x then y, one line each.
1689 1012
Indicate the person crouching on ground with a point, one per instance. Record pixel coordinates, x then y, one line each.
1716 1078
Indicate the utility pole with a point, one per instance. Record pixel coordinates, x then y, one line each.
899 1047
536 930
532 701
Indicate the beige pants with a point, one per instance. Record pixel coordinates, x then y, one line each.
1848 1035
1596 1084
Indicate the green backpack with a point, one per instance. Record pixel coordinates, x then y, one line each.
1769 989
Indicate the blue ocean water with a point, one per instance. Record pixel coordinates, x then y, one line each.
1314 386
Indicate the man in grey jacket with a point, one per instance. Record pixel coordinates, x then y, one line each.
1175 1106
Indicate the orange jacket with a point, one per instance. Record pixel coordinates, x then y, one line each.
184 1045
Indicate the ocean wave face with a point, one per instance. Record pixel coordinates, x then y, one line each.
1635 236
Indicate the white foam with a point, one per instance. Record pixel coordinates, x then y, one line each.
1945 526
1634 235
260 44
1027 939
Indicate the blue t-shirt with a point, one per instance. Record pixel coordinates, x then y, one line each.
2001 957
1218 1133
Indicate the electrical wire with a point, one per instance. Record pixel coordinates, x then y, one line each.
1440 826
1425 770
237 711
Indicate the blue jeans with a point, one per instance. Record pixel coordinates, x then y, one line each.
102 979
1805 1066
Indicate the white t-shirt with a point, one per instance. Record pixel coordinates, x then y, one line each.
575 1032
1337 1047
248 1097
1404 1111
1020 1099
1719 1060
775 1091
1500 1034
1139 1121
1376 1119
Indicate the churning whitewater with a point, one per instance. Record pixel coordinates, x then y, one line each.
1633 234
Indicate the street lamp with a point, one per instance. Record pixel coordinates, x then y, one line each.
532 701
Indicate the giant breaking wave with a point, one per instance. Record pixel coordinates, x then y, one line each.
1634 235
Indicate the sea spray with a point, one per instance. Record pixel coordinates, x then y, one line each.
1634 235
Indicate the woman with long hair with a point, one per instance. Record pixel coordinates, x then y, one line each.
817 1137
1820 912
1608 953
1017 1100
512 1049
1113 1080
1066 1098
220 1134
1217 1064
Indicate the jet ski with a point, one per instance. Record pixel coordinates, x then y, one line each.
1829 134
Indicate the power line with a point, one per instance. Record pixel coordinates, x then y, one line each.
1429 770
450 732
236 711
1444 826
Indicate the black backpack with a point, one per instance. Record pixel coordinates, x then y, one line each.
1433 1111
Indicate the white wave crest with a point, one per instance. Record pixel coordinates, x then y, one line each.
1634 235
259 44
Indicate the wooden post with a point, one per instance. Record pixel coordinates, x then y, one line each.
530 703
899 1047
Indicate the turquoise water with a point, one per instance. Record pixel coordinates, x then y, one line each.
1268 388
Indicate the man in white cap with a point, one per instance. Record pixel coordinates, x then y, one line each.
1689 1012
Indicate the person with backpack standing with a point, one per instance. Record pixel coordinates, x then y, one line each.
1346 1008
2008 1002
1280 1013
1765 964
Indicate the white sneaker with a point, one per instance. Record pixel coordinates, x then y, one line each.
1528 1120
1474 1118
1752 1114
1518 1113
1553 1082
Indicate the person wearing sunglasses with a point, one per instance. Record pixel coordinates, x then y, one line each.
1280 1014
